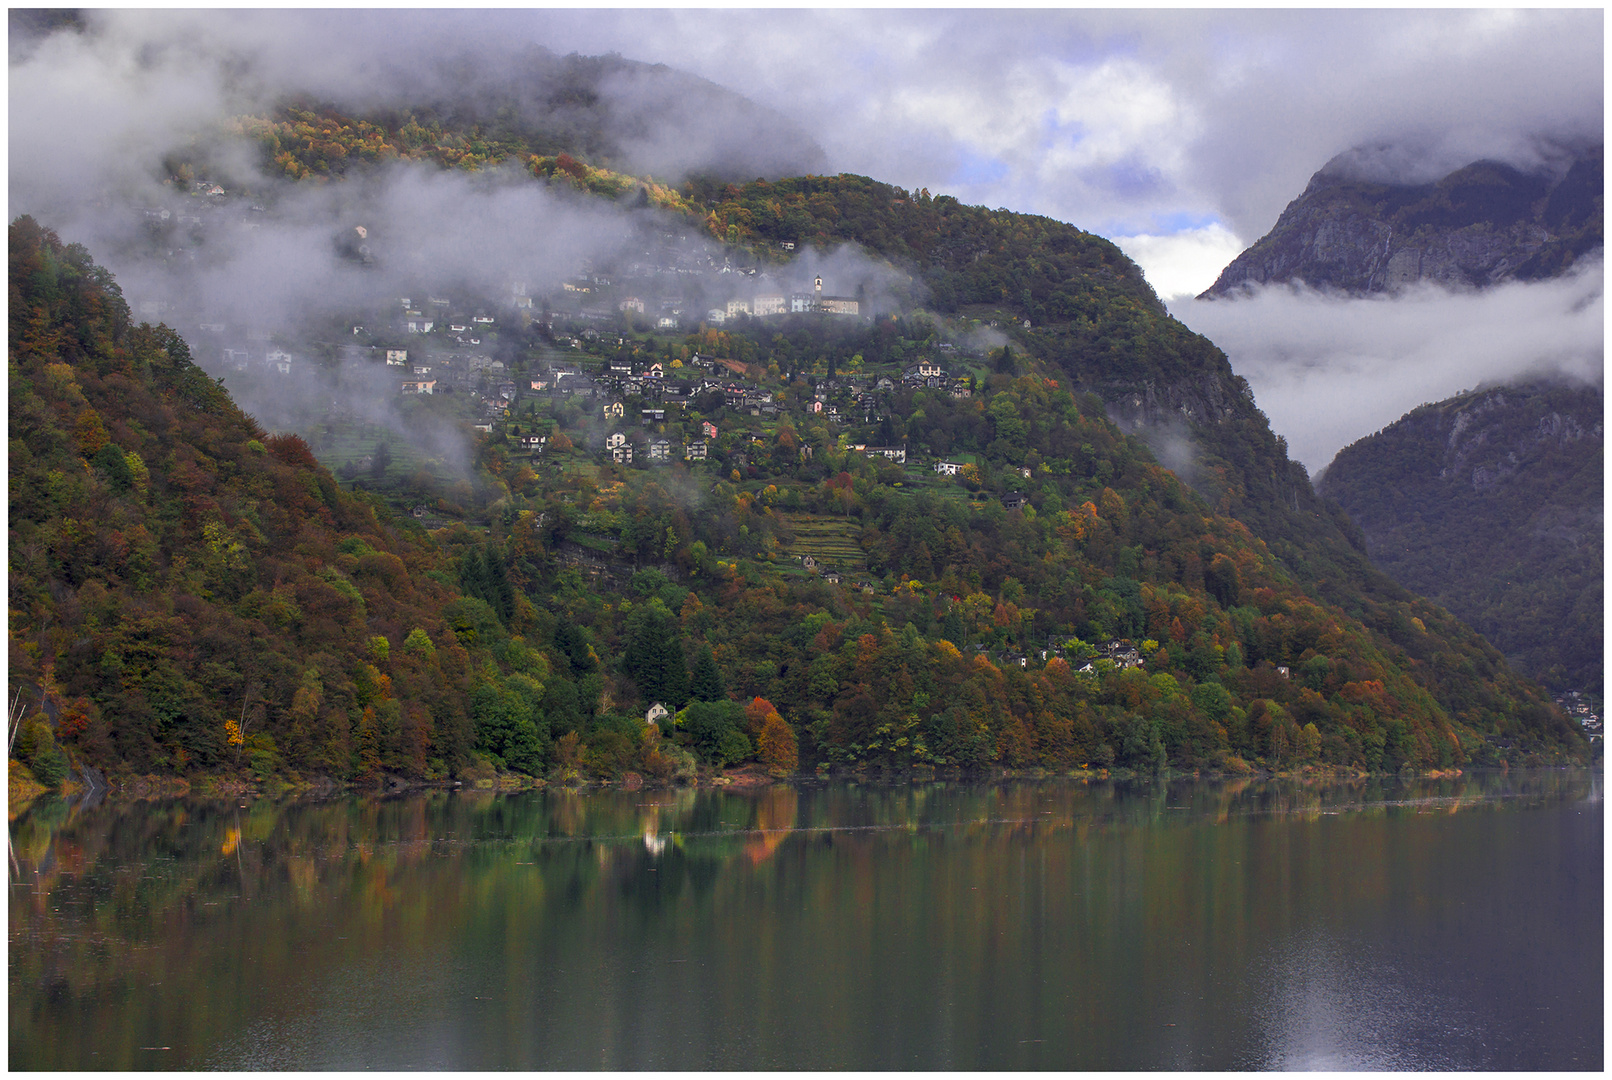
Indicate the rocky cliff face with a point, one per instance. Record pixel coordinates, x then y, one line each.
1478 226
1490 504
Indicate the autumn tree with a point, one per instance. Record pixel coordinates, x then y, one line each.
776 745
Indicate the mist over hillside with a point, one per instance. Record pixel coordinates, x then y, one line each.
1396 279
206 231
1329 369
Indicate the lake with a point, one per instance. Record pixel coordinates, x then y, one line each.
1450 923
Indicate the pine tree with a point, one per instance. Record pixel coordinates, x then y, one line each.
707 683
654 657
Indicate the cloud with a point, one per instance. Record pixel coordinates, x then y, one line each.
1181 134
1110 120
1179 265
1227 112
1328 370
132 86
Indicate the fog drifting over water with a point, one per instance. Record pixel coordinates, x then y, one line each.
1329 370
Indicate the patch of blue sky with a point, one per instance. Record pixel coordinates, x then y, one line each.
1182 221
977 169
1132 179
1055 132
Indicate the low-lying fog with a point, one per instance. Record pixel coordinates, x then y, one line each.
1328 370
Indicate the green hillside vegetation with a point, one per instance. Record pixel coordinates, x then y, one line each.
1141 365
191 594
1490 504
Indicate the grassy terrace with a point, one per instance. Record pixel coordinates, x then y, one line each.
832 541
347 443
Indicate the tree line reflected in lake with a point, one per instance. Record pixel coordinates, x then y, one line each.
1438 923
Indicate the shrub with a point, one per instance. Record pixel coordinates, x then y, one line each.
732 748
50 767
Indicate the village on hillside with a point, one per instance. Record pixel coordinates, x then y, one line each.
612 356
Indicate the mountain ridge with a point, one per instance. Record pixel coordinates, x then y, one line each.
1478 226
1489 503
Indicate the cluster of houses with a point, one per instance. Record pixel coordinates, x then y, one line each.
657 448
668 287
436 314
762 304
608 388
1582 710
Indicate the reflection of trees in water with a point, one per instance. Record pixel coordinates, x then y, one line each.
117 900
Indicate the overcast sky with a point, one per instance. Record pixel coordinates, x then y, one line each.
1181 135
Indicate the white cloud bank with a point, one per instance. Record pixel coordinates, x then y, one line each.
1181 265
1328 370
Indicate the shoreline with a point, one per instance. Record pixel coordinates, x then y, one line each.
24 789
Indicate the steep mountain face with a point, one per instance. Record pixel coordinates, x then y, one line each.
1478 226
1490 504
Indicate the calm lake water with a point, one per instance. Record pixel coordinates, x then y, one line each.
1425 924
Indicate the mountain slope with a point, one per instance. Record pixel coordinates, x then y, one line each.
1102 327
1490 504
644 119
1480 225
175 572
1093 318
188 592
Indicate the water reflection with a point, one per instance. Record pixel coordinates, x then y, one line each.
1375 924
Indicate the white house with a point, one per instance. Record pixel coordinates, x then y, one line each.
897 454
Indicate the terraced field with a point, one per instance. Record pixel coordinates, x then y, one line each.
829 540
348 442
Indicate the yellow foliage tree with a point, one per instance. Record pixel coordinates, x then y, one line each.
90 433
777 745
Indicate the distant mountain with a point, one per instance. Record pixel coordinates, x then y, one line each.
1490 504
1480 225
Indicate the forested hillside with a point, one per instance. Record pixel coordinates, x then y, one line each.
1490 504
635 118
191 594
1093 320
